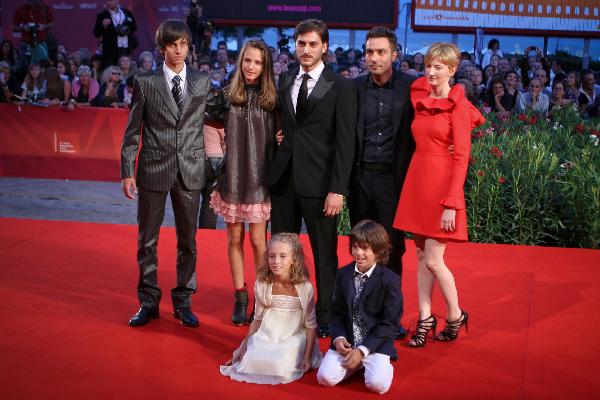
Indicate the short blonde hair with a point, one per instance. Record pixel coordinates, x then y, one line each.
446 53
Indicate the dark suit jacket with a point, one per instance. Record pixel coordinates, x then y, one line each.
321 148
109 34
381 306
171 141
403 114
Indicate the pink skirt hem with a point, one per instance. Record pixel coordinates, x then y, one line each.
235 213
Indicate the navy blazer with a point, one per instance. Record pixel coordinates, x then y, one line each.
381 306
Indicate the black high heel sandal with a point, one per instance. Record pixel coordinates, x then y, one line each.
419 339
452 328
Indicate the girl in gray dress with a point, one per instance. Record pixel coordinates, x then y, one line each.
248 108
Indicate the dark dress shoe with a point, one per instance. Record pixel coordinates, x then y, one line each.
401 333
186 316
324 331
143 315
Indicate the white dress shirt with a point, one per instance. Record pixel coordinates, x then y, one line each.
170 74
314 74
118 18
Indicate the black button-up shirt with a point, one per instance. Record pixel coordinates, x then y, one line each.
378 135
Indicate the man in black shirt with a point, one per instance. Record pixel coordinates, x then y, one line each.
384 142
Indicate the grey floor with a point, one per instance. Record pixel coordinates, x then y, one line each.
65 200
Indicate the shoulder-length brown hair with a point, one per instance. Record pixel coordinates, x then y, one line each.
298 270
369 233
267 98
32 82
55 86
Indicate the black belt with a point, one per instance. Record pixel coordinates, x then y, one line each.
373 166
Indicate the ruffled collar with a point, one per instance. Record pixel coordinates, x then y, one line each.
421 89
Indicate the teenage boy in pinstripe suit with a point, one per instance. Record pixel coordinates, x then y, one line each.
167 110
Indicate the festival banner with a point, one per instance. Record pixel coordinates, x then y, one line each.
576 18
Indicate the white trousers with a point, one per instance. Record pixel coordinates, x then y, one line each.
379 372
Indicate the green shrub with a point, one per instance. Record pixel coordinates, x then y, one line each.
535 181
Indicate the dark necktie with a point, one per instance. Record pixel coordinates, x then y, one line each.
359 328
177 93
302 98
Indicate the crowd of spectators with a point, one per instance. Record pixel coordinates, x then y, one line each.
500 82
529 83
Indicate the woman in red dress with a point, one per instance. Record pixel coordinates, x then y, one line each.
432 203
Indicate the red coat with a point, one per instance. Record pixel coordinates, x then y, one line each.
435 178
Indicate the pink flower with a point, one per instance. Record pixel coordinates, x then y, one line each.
480 173
495 151
477 134
501 180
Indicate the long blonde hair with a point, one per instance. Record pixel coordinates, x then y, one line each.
267 98
298 270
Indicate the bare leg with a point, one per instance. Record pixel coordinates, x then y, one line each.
258 240
425 280
434 262
235 251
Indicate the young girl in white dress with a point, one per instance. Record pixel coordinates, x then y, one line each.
281 343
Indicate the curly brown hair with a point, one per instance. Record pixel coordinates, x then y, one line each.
369 233
298 270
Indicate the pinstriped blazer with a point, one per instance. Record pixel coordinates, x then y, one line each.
171 141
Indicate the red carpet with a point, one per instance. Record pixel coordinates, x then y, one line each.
68 290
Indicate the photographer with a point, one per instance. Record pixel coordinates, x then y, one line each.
533 60
202 29
33 20
116 26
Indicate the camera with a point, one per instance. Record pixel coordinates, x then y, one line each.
122 30
32 26
283 43
209 27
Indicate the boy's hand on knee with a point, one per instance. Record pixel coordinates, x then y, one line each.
342 346
353 359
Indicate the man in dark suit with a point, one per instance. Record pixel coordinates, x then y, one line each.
367 306
116 26
310 173
168 111
384 141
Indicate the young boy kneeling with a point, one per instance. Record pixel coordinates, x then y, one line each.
366 311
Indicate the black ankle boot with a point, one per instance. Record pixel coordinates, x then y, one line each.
251 317
240 307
